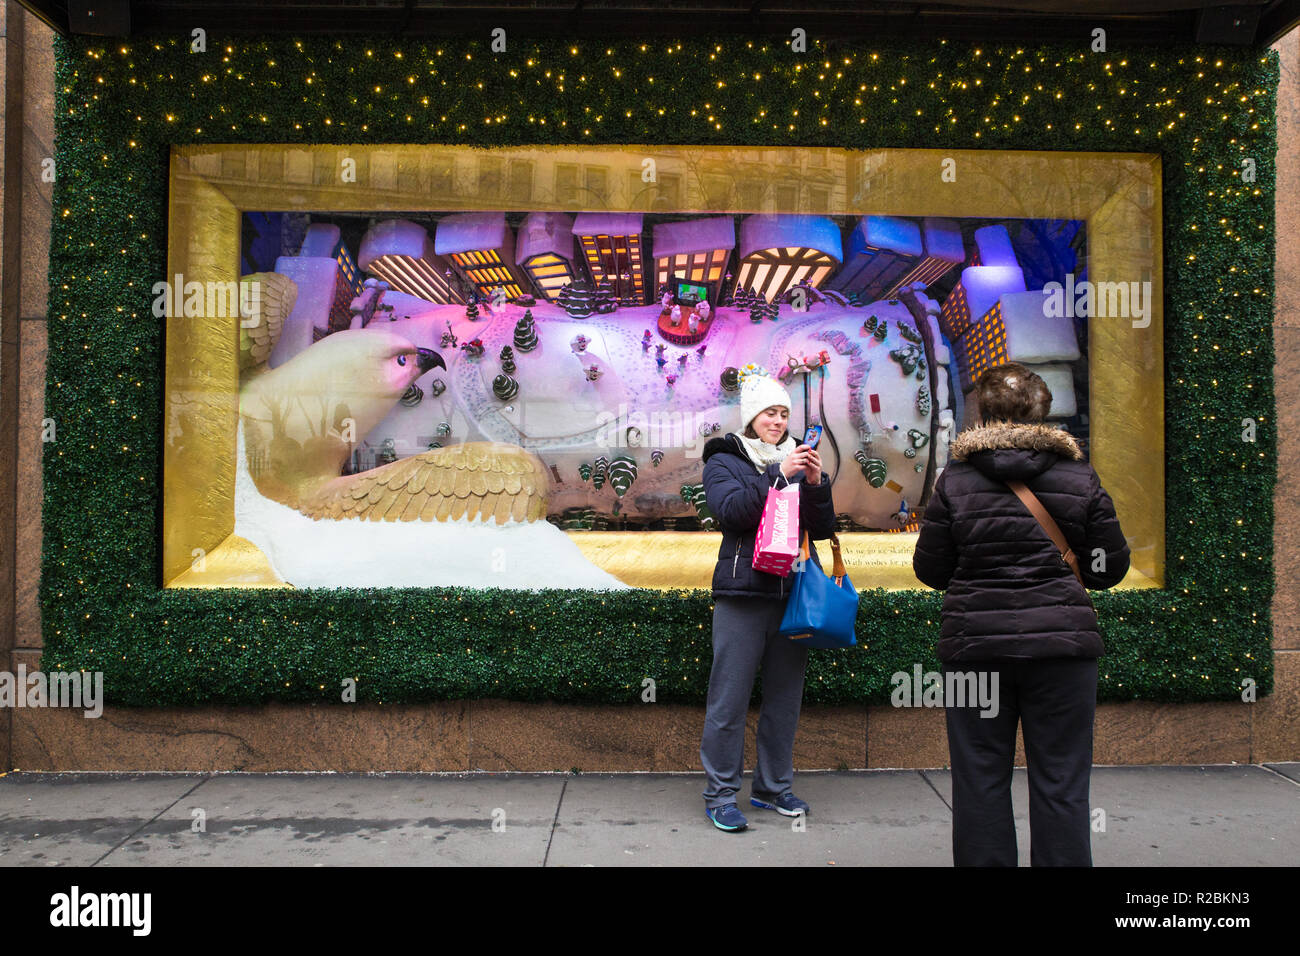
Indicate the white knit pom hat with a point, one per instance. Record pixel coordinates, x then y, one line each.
758 392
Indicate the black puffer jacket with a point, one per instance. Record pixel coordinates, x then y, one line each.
736 493
1010 596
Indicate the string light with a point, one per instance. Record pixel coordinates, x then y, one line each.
1204 114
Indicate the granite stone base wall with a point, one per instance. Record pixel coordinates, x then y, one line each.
497 735
27 132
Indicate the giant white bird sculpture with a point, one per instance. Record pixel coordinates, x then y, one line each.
302 420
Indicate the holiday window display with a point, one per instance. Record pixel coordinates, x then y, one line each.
1146 383
523 410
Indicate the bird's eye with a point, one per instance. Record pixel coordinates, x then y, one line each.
401 360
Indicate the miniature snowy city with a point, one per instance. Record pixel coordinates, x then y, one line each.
480 395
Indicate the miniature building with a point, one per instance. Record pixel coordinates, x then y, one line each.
882 252
993 247
327 281
696 250
971 318
546 250
975 293
401 253
944 251
1036 334
365 305
611 243
1019 328
482 246
983 346
776 252
325 240
323 299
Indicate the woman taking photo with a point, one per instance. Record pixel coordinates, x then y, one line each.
749 605
1016 617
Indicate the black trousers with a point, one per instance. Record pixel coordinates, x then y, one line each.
1055 701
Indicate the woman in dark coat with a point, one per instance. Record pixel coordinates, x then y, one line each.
748 605
1016 616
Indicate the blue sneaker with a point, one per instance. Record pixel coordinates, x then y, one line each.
727 817
787 804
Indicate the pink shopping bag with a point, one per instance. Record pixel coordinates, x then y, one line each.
776 546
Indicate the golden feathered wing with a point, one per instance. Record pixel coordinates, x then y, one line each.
477 479
259 333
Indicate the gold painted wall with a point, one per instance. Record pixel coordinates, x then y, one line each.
202 379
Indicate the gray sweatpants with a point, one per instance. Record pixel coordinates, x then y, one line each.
744 637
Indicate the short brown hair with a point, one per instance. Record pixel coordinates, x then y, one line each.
1012 393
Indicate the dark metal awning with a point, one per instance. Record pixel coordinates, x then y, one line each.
1126 22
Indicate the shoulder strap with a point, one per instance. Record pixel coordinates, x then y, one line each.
837 569
1050 526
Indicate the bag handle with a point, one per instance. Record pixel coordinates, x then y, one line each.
1050 526
837 571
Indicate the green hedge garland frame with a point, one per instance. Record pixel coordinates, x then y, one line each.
121 106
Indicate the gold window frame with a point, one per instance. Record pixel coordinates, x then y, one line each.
1118 195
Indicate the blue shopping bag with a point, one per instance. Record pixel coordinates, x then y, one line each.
821 611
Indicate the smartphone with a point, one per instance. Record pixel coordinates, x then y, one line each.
812 436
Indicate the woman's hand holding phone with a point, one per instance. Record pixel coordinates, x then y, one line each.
805 459
813 470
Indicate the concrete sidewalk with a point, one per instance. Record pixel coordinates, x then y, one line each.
1153 816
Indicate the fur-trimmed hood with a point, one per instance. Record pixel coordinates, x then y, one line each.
1007 450
1037 437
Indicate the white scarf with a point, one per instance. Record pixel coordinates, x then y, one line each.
762 453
